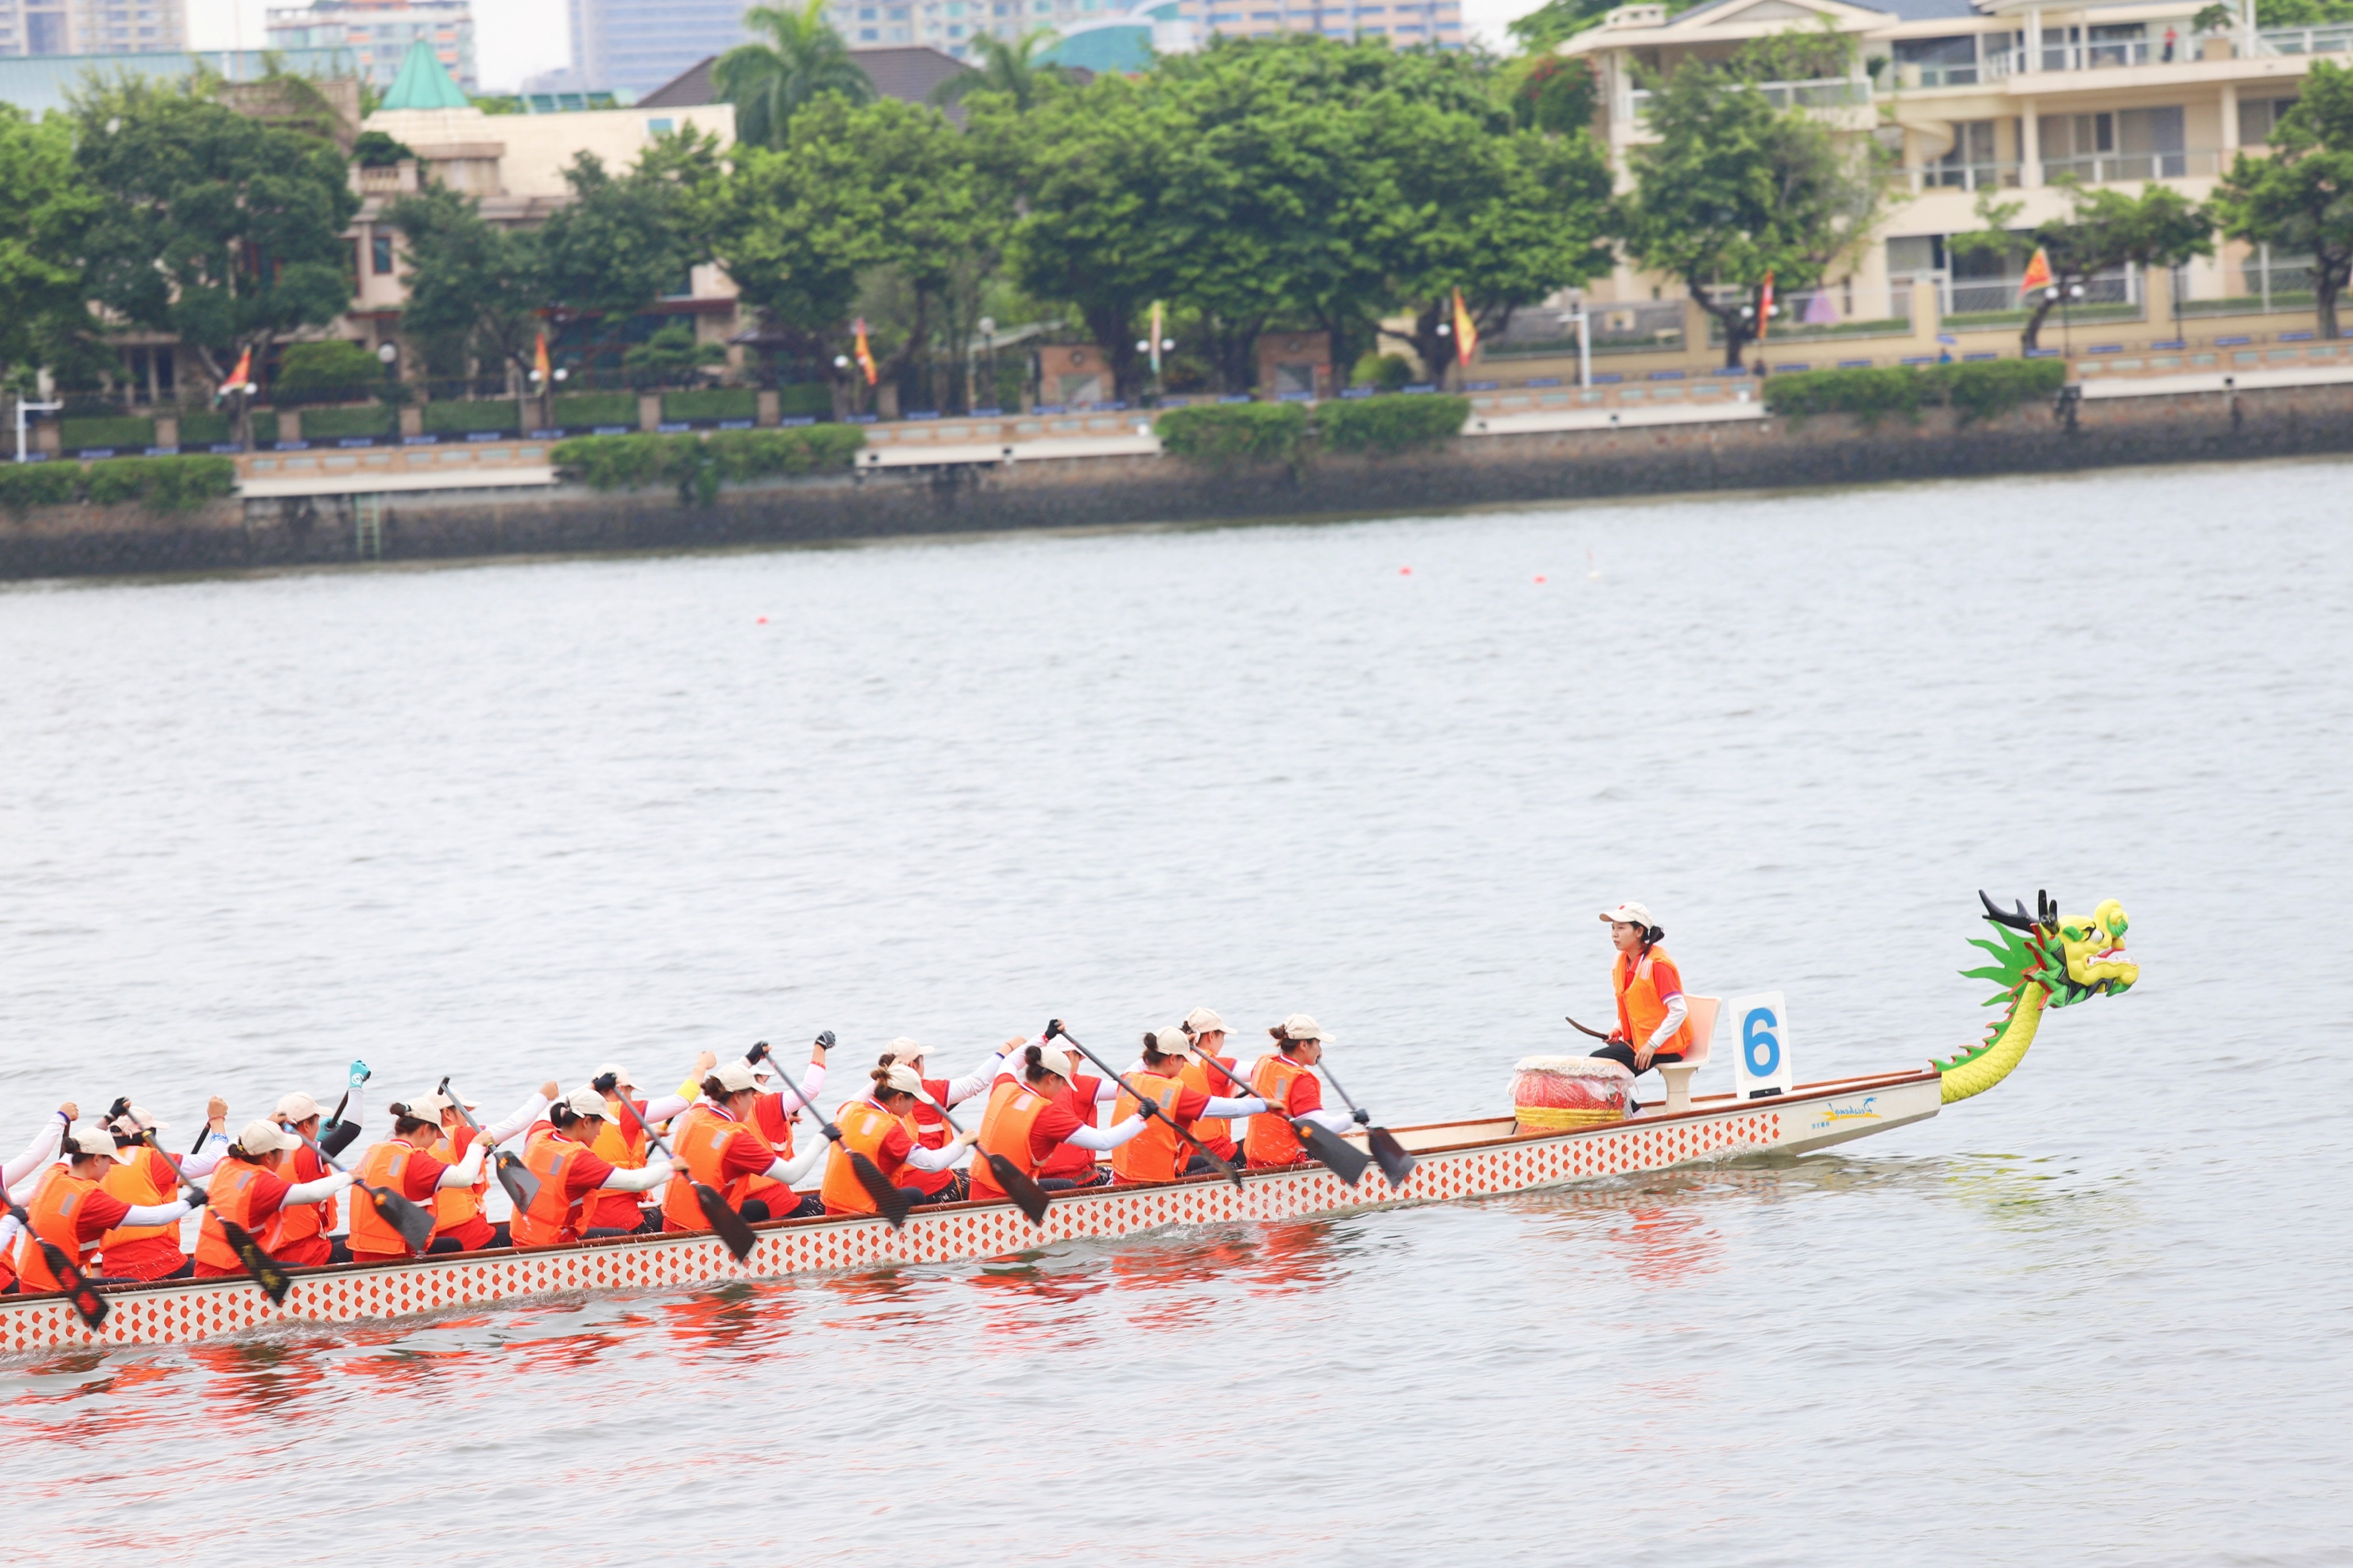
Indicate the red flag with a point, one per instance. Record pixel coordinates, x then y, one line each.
2038 272
1765 307
865 354
1466 330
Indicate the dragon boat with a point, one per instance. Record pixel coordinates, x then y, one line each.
2039 962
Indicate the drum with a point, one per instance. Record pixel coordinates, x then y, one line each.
1554 1094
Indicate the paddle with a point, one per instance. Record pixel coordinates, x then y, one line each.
730 1227
1147 1104
1583 1030
515 1176
414 1222
361 1073
1026 1195
1395 1162
266 1270
892 1204
1343 1158
83 1296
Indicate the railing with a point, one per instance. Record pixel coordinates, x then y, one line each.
1831 312
1930 73
2103 168
1963 176
2332 40
1825 92
2002 296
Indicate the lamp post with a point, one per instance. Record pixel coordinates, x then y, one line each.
24 409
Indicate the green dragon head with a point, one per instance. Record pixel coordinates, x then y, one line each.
2070 956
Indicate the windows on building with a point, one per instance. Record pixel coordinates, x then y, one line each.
2259 117
380 255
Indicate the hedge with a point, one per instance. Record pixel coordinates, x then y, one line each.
1222 434
265 430
1388 425
805 400
162 484
1982 390
203 427
697 466
107 430
329 423
713 402
597 408
458 418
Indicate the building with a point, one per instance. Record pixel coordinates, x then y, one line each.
2008 96
376 34
909 75
635 46
951 25
39 83
92 26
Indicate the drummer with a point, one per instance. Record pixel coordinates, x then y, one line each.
1651 1026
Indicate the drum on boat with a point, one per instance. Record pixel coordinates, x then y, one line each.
1554 1094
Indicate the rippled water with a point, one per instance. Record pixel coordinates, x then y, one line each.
508 821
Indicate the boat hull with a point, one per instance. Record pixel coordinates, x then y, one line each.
1456 1161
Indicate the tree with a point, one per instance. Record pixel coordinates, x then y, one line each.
2300 199
622 242
469 279
2105 229
1734 189
331 371
770 82
670 358
1009 70
226 232
1543 28
51 208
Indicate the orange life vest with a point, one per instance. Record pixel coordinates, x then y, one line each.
1216 1132
864 1125
452 1207
231 1199
931 1130
1157 1153
1641 1008
1013 1108
622 1145
298 1223
142 1251
385 1165
775 1131
1270 1140
553 1218
704 1145
52 1213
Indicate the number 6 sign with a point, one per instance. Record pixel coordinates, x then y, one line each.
1758 1025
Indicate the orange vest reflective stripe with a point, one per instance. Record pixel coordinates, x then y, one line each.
1194 1074
1013 1110
1270 1140
703 1146
864 1125
231 1191
452 1207
139 1184
1157 1153
300 1222
385 1165
553 1218
52 1211
1641 1006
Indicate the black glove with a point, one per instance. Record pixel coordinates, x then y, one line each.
604 1082
832 1133
118 1110
198 1198
1364 1118
756 1054
824 1042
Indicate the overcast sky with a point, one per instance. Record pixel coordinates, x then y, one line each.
515 38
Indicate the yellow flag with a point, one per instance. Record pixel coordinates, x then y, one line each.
1466 330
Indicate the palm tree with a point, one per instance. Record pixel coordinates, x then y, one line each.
768 81
1009 68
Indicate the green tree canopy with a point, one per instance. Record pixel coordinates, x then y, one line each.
469 279
1011 70
2299 200
2102 230
43 307
801 58
623 241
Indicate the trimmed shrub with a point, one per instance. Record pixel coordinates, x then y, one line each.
1391 425
1385 373
1984 390
265 429
597 408
117 431
697 466
332 372
1990 388
757 454
203 427
456 418
713 402
164 484
1222 434
111 481
805 400
181 484
26 485
332 424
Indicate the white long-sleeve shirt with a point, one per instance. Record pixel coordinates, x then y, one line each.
1104 1139
652 1174
530 1110
39 1155
325 1187
977 1080
468 1171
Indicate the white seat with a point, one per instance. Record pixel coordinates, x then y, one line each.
1699 1015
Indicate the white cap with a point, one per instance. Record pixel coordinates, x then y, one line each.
586 1101
136 1120
83 1142
265 1138
296 1107
734 1076
1053 1060
620 1075
1168 1042
1299 1027
1629 914
1203 1021
901 1079
904 1049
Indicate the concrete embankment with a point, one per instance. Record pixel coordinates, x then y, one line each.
1573 455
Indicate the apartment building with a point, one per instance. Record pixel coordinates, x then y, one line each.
951 26
376 34
92 26
2007 96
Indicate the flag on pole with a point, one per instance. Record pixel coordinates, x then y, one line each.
865 354
1466 331
2038 272
539 367
1765 307
1157 335
240 379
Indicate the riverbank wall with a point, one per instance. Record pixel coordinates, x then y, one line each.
1501 459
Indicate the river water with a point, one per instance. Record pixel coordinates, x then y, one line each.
508 821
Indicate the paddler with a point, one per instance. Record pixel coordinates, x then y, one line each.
932 1130
247 1188
721 1150
883 1127
406 1165
306 1231
1029 1119
1287 1079
1158 1154
72 1211
773 1114
18 1177
622 1145
1206 1033
1651 1006
458 1215
141 1177
561 1154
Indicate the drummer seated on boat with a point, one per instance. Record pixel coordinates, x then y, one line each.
561 1155
1651 1026
407 1165
73 1213
1287 1079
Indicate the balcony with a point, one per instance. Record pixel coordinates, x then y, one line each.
2330 40
1826 93
2108 168
1963 177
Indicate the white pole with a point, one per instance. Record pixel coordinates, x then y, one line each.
24 409
1584 347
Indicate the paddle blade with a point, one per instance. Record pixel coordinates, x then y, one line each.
85 1299
893 1203
1395 1162
260 1265
416 1225
1344 1160
1026 1195
516 1178
727 1222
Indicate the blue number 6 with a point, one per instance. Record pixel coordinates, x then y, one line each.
1758 1043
